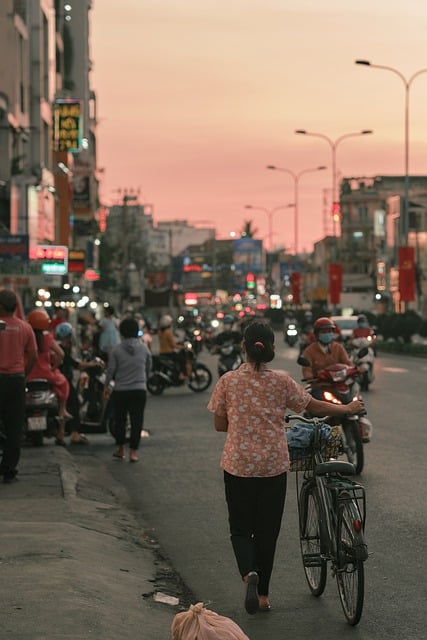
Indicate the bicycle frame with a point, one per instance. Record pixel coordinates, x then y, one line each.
332 517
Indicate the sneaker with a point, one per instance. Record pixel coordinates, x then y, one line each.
251 599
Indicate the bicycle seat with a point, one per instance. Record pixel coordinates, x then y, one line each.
335 466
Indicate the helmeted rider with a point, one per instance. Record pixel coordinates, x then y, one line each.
325 350
170 347
363 329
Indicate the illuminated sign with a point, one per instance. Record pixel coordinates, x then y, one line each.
54 258
76 261
92 275
67 125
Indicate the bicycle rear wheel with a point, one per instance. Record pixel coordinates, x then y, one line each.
314 563
351 552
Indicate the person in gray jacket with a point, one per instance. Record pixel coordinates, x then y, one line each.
129 366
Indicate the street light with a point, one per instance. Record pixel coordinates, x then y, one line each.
404 222
269 213
296 177
334 144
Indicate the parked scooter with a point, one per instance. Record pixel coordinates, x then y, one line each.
41 412
165 373
90 390
338 384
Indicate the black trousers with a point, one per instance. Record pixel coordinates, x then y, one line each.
133 403
255 511
12 415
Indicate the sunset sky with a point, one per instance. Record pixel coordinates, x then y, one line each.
196 97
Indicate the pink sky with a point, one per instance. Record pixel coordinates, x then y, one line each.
196 98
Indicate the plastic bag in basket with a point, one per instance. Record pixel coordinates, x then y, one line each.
198 623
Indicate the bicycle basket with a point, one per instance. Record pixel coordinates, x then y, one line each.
300 439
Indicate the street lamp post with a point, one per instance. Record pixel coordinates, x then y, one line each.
269 213
296 177
334 144
404 221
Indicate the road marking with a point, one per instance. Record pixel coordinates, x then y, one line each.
395 370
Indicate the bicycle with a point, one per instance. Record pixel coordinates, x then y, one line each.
331 513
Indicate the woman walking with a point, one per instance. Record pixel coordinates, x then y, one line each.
129 366
249 404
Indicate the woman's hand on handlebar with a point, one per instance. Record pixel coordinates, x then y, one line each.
355 406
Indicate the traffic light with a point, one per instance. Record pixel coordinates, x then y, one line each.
336 212
250 281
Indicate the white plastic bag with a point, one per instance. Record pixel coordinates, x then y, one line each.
198 623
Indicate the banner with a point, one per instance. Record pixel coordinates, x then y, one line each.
335 282
407 274
296 287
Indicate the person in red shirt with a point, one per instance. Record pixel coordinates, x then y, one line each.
49 359
18 354
363 330
325 351
61 315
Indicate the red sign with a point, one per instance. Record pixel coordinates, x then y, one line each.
335 282
296 287
407 274
49 252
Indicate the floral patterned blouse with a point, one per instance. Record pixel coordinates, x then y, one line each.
255 403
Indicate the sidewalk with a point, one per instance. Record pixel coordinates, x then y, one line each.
73 561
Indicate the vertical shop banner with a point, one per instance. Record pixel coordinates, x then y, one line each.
407 274
335 282
296 287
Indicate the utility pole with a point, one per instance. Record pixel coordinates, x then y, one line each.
125 248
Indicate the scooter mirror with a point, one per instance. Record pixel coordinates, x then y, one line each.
303 362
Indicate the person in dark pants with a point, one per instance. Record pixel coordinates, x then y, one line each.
129 366
18 354
249 404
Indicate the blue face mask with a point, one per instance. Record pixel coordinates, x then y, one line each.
362 325
326 338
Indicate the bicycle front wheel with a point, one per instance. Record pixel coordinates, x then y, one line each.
353 445
313 561
351 552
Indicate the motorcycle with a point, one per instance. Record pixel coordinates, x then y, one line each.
338 384
41 412
366 363
291 334
90 391
195 336
165 373
230 357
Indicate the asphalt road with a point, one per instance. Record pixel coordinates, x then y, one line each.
177 492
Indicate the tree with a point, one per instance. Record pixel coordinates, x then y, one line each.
248 231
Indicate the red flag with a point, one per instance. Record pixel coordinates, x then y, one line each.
296 287
407 274
335 282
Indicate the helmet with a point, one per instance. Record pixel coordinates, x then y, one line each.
323 323
39 320
165 321
228 320
63 330
362 318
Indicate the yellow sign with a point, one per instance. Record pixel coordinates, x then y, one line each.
67 121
